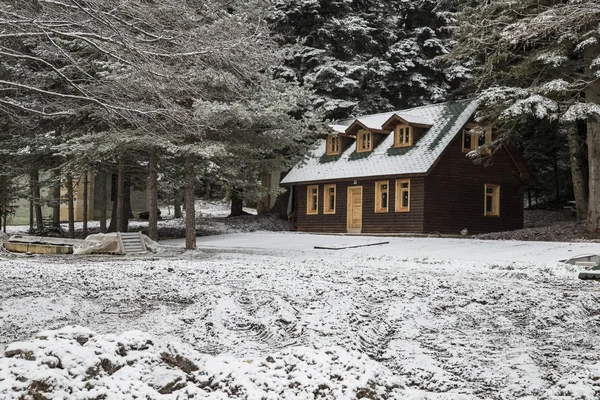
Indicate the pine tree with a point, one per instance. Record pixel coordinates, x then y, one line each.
541 59
261 132
124 82
364 57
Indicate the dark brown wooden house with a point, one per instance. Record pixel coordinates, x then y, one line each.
409 171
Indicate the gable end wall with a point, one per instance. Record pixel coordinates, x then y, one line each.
454 194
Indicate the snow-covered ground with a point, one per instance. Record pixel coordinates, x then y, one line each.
265 315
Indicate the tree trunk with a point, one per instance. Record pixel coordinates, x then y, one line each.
36 198
577 158
593 142
592 95
190 208
86 182
56 199
177 204
207 189
120 194
556 177
152 196
31 213
103 188
127 213
70 205
281 205
112 227
237 203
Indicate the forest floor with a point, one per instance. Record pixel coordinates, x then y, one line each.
546 226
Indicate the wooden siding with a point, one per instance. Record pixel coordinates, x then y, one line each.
454 194
372 222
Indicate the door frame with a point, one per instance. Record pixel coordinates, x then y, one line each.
349 209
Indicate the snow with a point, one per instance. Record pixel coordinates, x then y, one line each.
508 251
552 58
539 106
265 315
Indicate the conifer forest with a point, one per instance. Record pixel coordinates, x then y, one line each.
177 97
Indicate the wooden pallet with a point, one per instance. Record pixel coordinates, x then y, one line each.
131 242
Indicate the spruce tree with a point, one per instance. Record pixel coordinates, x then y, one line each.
366 57
540 59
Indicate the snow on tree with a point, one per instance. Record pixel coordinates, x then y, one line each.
540 59
367 56
263 131
121 79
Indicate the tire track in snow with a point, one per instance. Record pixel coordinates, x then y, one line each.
486 331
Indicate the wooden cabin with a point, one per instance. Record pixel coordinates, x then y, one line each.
409 171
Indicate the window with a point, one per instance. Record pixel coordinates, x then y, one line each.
492 201
329 199
333 145
312 199
403 195
474 137
364 141
381 196
403 136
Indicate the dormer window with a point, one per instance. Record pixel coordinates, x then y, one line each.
333 145
364 141
403 136
474 136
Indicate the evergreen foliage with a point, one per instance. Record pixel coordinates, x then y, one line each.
363 57
540 60
123 81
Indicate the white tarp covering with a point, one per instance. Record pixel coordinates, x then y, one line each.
108 243
100 243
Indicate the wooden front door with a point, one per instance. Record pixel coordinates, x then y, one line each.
354 221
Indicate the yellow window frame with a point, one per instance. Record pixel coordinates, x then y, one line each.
312 199
403 136
328 196
402 188
364 141
382 188
491 193
333 145
474 137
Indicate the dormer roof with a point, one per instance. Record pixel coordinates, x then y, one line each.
358 125
406 119
444 120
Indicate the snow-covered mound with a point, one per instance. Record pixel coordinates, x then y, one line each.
76 363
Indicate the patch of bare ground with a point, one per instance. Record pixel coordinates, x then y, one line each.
545 226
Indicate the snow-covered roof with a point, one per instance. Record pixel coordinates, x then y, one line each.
338 128
446 120
376 121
